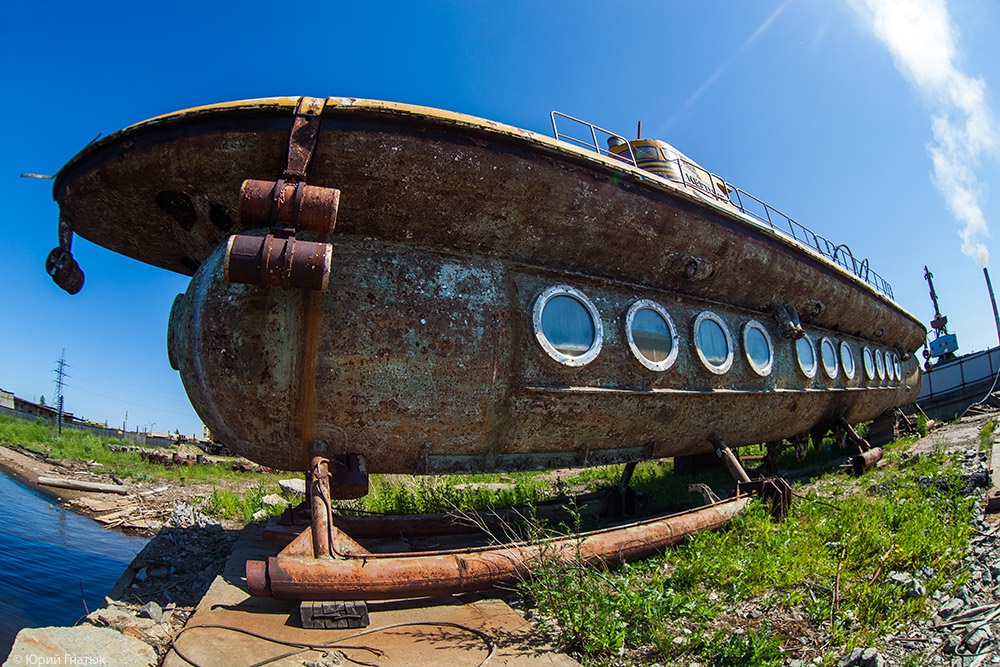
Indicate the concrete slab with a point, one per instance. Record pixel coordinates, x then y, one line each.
229 627
993 495
80 645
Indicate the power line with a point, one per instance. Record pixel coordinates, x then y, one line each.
60 374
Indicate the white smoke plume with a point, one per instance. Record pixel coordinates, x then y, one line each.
922 40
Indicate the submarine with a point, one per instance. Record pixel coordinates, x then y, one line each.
432 292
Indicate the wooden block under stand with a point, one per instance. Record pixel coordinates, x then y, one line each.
334 614
883 430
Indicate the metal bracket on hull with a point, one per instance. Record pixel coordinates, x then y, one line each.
788 320
60 264
774 491
286 206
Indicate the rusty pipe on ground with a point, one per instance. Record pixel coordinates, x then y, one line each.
863 445
866 460
293 575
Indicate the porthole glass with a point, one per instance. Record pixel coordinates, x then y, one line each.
806 355
880 364
869 361
828 356
713 342
898 366
847 360
651 335
890 368
567 325
758 348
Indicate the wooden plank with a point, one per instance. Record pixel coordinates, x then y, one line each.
82 486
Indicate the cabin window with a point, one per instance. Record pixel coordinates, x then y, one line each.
646 152
651 335
758 348
880 364
847 360
869 362
890 366
713 342
806 355
828 355
567 325
898 366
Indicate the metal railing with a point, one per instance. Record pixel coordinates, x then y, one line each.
702 180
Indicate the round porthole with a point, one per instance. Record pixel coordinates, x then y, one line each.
898 366
651 335
880 364
828 357
567 325
758 348
869 361
713 342
806 355
847 360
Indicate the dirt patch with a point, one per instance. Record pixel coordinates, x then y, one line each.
960 435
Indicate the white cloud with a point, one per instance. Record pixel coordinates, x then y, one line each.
921 38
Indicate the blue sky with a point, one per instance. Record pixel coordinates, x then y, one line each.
870 125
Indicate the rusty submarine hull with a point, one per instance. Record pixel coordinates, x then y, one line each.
440 293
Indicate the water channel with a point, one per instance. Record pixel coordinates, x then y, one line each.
54 564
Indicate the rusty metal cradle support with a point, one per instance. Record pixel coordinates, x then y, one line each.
296 574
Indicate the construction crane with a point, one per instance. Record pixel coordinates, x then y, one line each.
944 345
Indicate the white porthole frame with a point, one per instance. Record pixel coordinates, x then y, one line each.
724 367
832 374
675 338
761 370
868 354
808 372
536 323
845 350
898 367
879 367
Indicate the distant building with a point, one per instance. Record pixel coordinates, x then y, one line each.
38 410
6 399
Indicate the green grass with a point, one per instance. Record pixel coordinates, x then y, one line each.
77 445
986 435
673 608
240 505
406 494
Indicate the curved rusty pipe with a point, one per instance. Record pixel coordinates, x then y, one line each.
295 575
